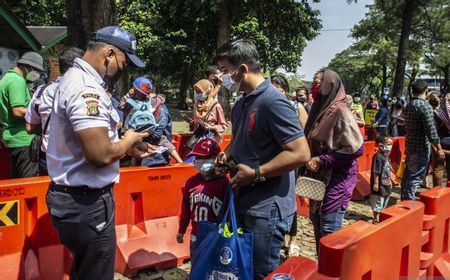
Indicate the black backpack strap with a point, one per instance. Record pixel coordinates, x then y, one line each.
46 124
39 96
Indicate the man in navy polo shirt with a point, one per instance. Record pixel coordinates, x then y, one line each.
268 144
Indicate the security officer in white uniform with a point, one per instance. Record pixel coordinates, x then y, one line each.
83 153
40 107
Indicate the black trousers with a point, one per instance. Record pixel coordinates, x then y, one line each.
85 223
21 163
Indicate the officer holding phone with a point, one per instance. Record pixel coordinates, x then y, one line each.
84 151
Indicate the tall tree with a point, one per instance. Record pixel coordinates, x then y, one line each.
85 17
410 7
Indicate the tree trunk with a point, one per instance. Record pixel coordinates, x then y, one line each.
384 80
225 19
85 17
445 87
410 6
183 87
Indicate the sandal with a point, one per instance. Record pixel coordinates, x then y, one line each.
294 251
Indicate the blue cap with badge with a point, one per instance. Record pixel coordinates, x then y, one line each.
121 39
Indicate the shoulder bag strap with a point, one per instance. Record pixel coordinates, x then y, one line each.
39 96
133 103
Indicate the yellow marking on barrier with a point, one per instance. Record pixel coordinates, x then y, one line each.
9 213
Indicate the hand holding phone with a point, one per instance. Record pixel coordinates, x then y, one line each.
161 149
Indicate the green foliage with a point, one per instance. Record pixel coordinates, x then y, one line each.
178 38
39 12
280 30
377 38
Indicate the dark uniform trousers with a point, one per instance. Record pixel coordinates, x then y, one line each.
84 219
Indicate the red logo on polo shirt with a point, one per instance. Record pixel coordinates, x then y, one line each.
251 122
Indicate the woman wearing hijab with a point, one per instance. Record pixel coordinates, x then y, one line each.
442 120
335 142
208 116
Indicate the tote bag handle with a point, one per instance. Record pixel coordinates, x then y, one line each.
230 211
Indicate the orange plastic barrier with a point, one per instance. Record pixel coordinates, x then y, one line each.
302 206
30 247
362 188
389 250
5 165
148 202
299 267
435 257
362 129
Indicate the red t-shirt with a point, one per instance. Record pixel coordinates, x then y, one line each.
202 201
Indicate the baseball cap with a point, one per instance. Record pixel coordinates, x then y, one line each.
121 39
143 85
32 59
206 147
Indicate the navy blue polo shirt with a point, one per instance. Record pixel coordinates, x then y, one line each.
264 121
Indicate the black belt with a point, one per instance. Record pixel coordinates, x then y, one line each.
80 190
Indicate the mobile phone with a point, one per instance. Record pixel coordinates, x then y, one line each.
161 149
145 128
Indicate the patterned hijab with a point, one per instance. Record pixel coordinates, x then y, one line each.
331 125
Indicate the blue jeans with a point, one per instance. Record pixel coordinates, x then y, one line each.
325 224
268 237
416 167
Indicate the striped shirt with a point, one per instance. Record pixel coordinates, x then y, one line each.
419 125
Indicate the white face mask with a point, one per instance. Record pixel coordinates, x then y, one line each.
32 76
387 148
204 166
229 83
200 96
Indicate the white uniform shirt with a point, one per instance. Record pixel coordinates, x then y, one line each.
80 103
44 104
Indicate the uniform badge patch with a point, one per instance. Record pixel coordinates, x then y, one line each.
92 108
91 95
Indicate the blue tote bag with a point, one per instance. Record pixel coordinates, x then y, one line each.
221 253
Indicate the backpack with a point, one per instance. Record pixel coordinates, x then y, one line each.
141 116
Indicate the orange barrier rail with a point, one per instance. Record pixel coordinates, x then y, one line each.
366 251
411 242
30 248
435 258
148 202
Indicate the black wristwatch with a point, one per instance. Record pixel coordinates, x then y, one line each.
258 177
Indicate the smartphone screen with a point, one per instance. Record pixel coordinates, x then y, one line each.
161 150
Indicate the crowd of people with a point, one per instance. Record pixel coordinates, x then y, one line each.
76 132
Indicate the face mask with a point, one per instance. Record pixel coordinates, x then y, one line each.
32 76
110 80
301 99
229 83
356 99
315 90
200 96
204 166
387 148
